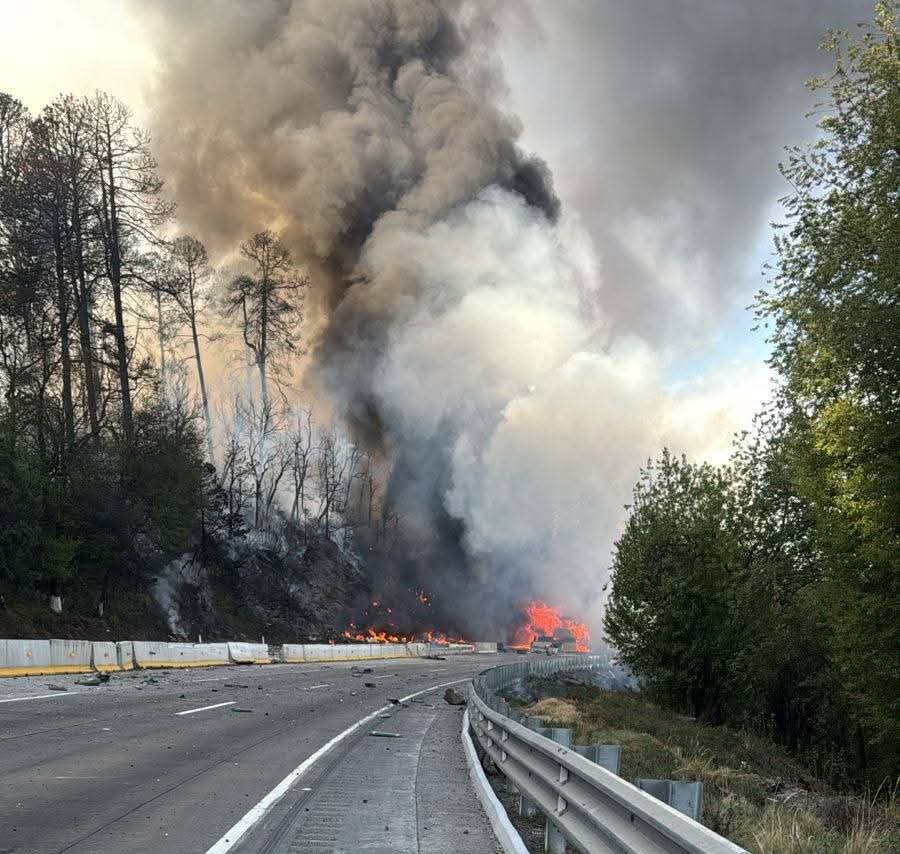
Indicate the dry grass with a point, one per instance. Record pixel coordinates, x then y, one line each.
755 793
554 712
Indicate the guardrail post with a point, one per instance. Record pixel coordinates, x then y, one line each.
687 798
554 841
607 756
527 809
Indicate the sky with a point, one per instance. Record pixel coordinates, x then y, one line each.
662 122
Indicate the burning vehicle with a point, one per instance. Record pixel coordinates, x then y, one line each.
544 629
561 641
544 644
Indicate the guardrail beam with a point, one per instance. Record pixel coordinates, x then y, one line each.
585 803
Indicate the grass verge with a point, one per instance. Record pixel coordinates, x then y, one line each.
755 793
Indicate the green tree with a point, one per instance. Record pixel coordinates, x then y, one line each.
670 609
835 304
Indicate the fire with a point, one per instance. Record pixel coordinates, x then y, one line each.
544 619
372 635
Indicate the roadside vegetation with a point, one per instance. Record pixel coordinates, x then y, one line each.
765 594
754 792
109 473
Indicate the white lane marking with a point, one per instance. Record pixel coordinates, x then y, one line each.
211 679
205 708
235 833
77 778
43 696
313 687
389 675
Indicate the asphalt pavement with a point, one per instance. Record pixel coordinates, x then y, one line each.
169 761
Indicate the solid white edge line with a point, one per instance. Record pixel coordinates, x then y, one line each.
503 828
237 831
43 696
206 708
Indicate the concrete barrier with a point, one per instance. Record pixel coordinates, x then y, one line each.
70 656
104 656
318 652
248 653
24 657
36 657
312 652
125 655
155 654
387 650
485 648
293 653
450 648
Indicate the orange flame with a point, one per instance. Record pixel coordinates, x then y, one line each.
544 619
371 635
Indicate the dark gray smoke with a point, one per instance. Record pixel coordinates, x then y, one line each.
359 130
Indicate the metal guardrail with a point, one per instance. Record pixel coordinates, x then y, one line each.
593 809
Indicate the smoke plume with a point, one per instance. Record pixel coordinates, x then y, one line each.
458 326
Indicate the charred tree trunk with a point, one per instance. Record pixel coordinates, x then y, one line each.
62 307
110 215
82 295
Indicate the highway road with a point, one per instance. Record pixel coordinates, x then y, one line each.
170 761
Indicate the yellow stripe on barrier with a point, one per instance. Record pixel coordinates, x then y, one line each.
145 665
45 670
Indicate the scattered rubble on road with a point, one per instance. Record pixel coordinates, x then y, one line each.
93 681
454 697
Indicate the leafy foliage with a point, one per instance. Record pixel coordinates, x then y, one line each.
769 592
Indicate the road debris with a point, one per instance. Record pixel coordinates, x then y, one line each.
57 687
234 685
454 697
245 711
378 734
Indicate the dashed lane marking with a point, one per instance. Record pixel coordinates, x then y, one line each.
42 696
205 708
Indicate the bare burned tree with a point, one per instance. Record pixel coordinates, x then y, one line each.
266 452
268 302
332 466
188 287
301 450
233 476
